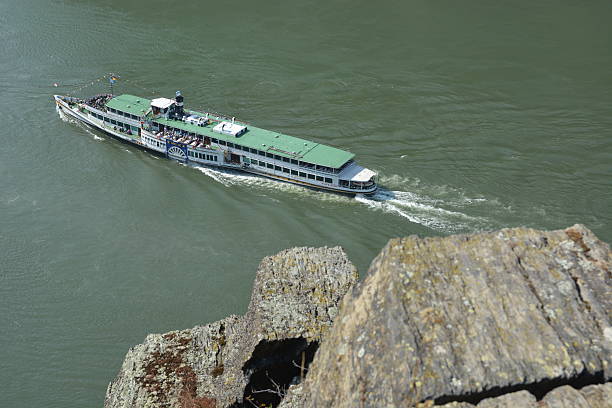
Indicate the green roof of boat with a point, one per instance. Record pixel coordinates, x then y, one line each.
254 138
134 105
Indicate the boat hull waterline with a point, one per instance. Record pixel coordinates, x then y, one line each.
204 139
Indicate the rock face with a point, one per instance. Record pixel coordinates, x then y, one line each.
591 396
294 300
497 319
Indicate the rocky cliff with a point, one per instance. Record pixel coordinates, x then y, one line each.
242 360
514 314
514 318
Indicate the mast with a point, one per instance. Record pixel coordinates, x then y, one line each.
111 80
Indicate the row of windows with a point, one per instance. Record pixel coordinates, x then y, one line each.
262 153
289 171
155 142
122 125
127 115
202 156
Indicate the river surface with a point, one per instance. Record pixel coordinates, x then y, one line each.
477 116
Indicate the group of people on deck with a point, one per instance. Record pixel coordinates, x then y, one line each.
193 142
98 101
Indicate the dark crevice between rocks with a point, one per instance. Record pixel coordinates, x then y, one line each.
538 389
272 368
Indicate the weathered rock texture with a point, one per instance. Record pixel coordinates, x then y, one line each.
494 320
591 396
294 300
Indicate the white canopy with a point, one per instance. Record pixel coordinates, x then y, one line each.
355 172
162 103
228 128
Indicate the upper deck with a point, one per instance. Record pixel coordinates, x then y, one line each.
253 138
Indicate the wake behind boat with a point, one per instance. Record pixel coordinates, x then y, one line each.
164 126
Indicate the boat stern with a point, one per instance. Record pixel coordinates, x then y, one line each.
358 179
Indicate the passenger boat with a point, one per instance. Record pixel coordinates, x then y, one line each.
164 126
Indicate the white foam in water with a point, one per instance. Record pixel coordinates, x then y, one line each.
64 117
415 209
419 209
70 119
96 137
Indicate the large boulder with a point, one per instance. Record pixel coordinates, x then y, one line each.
234 361
492 319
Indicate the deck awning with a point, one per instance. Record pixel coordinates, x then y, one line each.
355 172
162 103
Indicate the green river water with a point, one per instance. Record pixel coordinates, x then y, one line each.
477 115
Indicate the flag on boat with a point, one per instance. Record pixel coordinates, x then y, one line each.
112 79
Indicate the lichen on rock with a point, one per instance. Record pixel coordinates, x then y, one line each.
469 317
295 297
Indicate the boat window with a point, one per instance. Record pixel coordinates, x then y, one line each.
230 144
254 151
286 170
214 140
302 174
294 172
215 158
311 176
113 121
319 178
270 155
286 159
222 142
328 180
277 157
261 153
269 165
279 168
293 161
